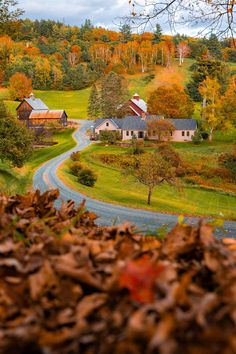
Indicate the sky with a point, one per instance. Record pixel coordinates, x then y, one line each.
104 13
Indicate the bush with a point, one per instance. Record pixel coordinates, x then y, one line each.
135 146
109 137
197 138
75 156
229 162
76 168
87 177
169 154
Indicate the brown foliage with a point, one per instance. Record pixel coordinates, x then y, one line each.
20 86
172 102
69 286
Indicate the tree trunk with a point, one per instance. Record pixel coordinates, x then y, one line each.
149 196
211 135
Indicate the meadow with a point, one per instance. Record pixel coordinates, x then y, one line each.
213 200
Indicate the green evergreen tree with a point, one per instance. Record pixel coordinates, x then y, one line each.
94 103
214 46
207 68
126 34
157 35
114 93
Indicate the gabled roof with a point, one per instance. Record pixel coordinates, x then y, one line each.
140 104
35 103
115 121
49 114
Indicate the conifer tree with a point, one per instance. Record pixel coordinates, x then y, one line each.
157 35
94 103
114 93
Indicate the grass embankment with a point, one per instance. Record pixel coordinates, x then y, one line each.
190 200
18 180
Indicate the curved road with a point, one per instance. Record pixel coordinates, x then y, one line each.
46 178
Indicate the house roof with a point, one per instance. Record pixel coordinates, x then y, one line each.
36 103
49 114
184 124
140 104
133 123
138 124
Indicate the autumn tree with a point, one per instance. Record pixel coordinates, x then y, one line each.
114 93
183 51
15 142
94 103
145 55
151 170
171 102
229 101
160 129
19 86
211 108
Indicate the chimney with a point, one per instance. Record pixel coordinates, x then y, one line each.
136 97
143 116
32 96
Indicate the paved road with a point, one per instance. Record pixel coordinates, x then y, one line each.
46 178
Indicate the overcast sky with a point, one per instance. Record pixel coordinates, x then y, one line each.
103 13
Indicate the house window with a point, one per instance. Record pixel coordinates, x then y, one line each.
171 133
183 133
127 133
188 134
132 133
107 124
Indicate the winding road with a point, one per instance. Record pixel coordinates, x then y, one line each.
46 178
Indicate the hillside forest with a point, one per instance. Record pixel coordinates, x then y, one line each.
60 57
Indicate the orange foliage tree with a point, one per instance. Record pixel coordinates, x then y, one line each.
20 86
171 102
160 129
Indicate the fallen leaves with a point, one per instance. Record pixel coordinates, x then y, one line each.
69 286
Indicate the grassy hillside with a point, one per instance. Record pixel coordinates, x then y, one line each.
214 198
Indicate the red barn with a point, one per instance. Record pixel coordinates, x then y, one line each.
138 107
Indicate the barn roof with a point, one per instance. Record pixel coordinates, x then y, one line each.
140 104
36 103
49 114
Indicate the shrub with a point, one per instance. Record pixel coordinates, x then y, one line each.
87 177
109 137
135 146
169 154
197 137
76 168
75 156
228 161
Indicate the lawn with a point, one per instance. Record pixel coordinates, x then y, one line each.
15 180
112 187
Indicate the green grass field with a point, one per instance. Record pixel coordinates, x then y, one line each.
190 200
15 180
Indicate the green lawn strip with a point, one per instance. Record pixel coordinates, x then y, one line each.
113 188
22 178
